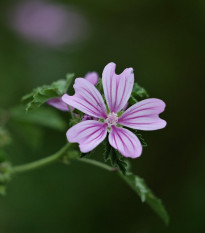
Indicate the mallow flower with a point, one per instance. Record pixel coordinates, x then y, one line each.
48 23
110 119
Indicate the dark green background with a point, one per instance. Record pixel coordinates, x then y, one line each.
164 42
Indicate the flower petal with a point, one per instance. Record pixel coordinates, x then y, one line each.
117 88
88 134
125 142
87 99
92 77
144 115
125 107
58 103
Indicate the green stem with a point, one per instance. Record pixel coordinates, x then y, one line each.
97 164
55 157
42 162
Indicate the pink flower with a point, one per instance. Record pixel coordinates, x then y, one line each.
47 23
58 103
143 115
92 77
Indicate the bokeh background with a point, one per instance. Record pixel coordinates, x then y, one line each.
163 41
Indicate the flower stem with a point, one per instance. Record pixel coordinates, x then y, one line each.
54 158
97 164
42 162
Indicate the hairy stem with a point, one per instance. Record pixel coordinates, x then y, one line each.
97 164
54 158
42 162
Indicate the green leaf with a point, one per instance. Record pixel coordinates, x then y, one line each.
138 93
42 94
132 100
99 85
116 159
139 186
44 116
2 190
107 149
142 140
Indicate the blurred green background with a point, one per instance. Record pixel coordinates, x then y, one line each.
164 42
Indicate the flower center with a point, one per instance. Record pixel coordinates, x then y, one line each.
112 119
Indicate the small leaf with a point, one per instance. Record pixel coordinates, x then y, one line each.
99 85
146 195
42 94
138 93
142 140
2 190
117 160
132 100
107 149
47 117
